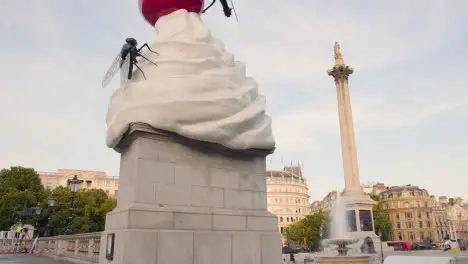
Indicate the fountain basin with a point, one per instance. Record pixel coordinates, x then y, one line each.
341 244
343 259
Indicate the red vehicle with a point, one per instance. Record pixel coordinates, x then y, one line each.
400 245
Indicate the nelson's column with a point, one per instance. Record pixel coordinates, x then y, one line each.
358 204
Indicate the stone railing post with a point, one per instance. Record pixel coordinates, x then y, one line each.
77 243
60 243
91 248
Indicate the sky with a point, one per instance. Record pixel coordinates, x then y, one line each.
408 92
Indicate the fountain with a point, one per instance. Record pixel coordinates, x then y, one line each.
339 228
340 238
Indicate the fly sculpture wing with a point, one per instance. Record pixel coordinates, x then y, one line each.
125 72
113 69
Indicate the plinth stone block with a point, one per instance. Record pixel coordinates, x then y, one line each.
188 202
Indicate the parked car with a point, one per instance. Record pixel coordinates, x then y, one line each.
420 246
399 245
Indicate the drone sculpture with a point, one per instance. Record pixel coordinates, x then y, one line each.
152 10
125 60
226 9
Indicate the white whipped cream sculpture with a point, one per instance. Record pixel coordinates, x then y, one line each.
197 90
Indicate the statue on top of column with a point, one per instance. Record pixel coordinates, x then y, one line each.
338 56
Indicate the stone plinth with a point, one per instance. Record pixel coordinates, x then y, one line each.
358 203
345 259
182 201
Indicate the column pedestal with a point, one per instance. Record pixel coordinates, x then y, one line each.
182 201
360 203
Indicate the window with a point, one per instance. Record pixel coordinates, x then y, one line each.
429 224
397 216
409 224
422 236
398 225
412 236
281 219
400 236
428 215
420 224
431 234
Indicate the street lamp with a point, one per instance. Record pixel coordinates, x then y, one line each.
38 211
380 233
74 185
51 204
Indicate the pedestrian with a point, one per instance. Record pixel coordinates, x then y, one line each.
25 238
18 230
292 258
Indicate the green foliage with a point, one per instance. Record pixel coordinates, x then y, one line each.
375 197
308 230
21 187
91 207
382 222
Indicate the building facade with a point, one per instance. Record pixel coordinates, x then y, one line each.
287 195
90 180
457 214
411 212
444 227
326 204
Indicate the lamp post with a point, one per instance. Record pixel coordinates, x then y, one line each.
51 204
37 211
74 185
380 233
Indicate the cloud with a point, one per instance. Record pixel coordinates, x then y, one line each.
409 60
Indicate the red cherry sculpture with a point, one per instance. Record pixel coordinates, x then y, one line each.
152 10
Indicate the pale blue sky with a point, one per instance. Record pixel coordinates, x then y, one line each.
409 96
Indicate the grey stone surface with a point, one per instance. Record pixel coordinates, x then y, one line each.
28 259
180 201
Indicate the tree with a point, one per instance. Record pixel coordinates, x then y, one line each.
19 187
382 222
89 215
308 230
296 231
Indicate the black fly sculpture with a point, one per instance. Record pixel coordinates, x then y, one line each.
125 60
226 9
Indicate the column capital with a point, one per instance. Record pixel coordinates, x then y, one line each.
340 72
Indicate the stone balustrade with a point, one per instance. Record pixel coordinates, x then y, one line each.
80 248
7 245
